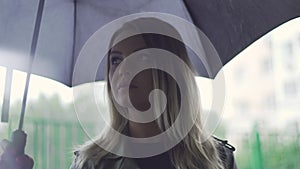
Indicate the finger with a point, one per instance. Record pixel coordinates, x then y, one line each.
8 148
25 161
8 163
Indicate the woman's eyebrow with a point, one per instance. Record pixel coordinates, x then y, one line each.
137 49
120 53
116 52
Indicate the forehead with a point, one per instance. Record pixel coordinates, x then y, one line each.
129 45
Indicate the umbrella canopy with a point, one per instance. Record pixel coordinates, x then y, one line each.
231 25
57 32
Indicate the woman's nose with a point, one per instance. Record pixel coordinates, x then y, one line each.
124 76
124 70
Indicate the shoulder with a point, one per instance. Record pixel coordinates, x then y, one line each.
108 161
87 155
224 143
75 161
78 163
226 152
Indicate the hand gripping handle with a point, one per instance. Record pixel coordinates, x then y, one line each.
18 141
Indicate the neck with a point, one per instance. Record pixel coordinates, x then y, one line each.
143 130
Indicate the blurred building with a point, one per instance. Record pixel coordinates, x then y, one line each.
263 82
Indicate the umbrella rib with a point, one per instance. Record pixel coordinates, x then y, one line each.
6 99
74 41
188 10
32 55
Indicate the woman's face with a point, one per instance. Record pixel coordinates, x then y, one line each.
140 86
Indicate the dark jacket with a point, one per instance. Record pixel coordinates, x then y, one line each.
112 161
226 154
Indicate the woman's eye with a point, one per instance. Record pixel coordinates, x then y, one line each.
116 60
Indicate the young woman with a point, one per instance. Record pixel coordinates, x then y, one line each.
195 149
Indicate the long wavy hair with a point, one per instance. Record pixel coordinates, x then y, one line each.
193 151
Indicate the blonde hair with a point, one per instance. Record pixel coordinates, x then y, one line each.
193 150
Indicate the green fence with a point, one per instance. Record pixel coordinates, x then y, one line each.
51 142
269 151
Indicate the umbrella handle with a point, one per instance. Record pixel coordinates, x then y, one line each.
18 141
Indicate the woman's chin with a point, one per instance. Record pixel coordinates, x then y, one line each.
124 102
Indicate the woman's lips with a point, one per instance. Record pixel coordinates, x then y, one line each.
126 86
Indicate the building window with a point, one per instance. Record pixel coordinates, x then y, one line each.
242 107
269 42
267 65
290 66
270 102
288 57
288 49
290 88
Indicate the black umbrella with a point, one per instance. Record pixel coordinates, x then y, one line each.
231 25
59 29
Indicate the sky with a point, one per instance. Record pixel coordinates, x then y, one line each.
40 85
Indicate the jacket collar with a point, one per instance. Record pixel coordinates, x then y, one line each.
122 162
